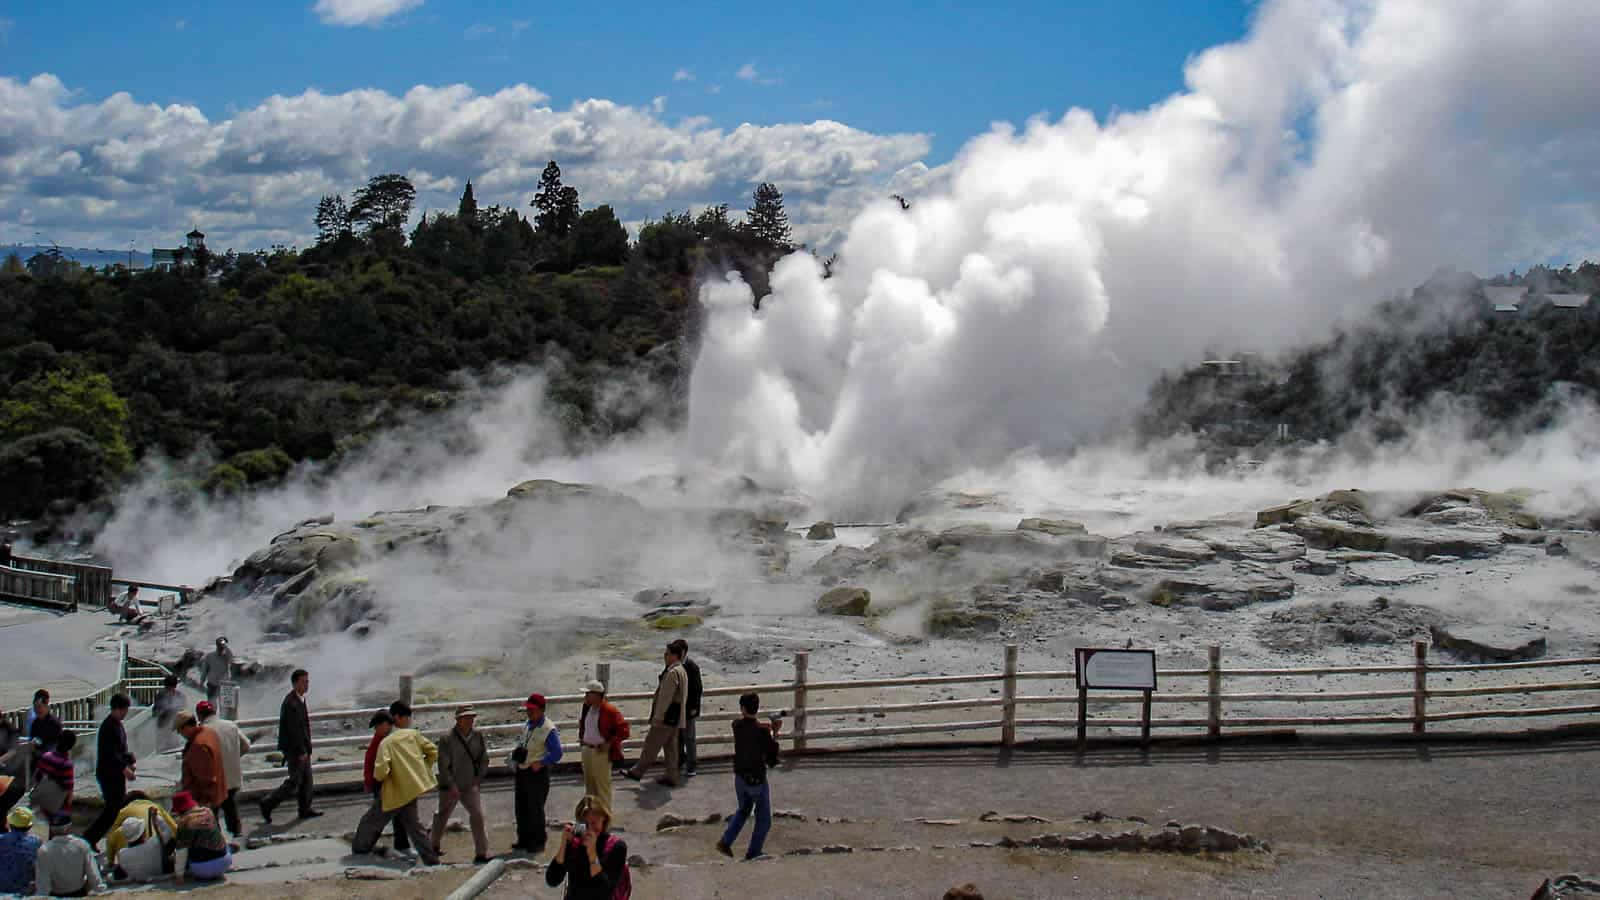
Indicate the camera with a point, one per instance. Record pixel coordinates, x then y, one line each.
580 829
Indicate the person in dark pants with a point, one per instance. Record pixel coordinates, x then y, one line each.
536 750
294 742
113 768
755 750
691 712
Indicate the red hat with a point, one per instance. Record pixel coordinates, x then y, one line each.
533 701
204 708
182 802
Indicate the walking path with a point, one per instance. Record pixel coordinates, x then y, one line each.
1358 820
53 651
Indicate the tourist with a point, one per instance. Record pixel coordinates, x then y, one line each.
202 850
592 861
166 707
139 807
234 746
203 776
294 742
666 715
216 668
12 788
65 866
113 768
381 724
537 749
601 731
463 763
19 852
53 778
148 848
42 727
691 709
755 750
128 607
404 770
8 741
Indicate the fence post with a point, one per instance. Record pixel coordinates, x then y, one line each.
602 674
1419 700
800 659
1008 694
1214 691
405 689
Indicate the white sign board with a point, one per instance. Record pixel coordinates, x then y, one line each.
1131 670
229 701
167 605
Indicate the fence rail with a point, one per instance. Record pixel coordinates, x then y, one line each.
1202 709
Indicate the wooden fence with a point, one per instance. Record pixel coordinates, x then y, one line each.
37 588
91 584
1006 711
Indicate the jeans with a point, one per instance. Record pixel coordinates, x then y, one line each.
532 790
686 751
751 796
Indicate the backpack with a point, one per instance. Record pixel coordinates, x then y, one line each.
624 888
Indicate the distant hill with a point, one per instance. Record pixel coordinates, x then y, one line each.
81 255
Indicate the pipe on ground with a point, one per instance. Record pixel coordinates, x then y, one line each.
479 882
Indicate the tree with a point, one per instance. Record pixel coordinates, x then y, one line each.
13 265
557 204
467 212
333 219
766 220
63 398
713 224
384 203
599 239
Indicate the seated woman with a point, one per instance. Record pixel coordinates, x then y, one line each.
202 850
593 863
139 806
148 854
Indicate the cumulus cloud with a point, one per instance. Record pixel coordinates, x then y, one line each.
683 75
361 12
100 173
1340 151
749 72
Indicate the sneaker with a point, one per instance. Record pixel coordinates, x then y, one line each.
266 812
757 858
688 773
480 860
724 849
631 775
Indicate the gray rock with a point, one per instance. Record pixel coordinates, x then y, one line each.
821 531
1416 542
1128 559
1489 643
845 601
1316 564
1267 545
1058 527
1557 548
1222 591
847 562
1186 549
1386 574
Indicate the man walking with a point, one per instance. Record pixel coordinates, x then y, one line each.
166 707
203 776
216 668
113 768
755 750
463 763
404 771
294 742
666 715
537 748
691 710
234 746
601 731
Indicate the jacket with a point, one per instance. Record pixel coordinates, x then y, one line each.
234 746
405 767
203 774
696 688
613 853
294 728
368 783
111 754
531 739
672 694
136 809
216 668
755 750
463 761
613 727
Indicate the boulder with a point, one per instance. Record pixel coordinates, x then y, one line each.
1417 542
293 553
1186 549
967 891
1283 513
1267 545
845 601
821 531
951 619
1222 591
659 597
1393 573
845 562
1557 548
1489 643
675 621
1316 564
1057 527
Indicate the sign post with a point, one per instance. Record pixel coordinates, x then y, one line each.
229 699
166 608
1113 670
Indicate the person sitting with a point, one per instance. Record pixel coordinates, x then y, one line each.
592 861
65 866
202 849
139 806
149 850
19 852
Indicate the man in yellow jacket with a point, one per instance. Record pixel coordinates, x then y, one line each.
404 771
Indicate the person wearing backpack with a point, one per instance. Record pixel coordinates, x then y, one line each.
592 861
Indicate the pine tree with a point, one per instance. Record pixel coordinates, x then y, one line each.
557 204
766 219
333 219
467 212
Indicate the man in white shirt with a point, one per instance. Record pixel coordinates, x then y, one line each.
65 866
234 746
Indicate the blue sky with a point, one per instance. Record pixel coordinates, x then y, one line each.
947 70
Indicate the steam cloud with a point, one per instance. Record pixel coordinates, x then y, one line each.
1341 151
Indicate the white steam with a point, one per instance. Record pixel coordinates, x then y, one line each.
1341 151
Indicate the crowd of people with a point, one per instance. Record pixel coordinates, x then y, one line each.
196 837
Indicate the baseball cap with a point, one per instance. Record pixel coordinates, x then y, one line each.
205 708
535 700
594 687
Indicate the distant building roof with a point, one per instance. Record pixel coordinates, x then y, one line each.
1568 301
1505 295
197 233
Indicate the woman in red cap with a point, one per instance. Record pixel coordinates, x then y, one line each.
537 749
202 849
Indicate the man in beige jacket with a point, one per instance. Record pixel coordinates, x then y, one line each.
666 717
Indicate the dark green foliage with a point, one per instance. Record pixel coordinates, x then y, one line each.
384 203
58 464
600 239
557 204
467 209
766 220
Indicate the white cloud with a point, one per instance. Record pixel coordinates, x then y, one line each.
683 75
747 72
98 173
361 12
1342 150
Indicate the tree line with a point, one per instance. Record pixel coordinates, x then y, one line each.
263 359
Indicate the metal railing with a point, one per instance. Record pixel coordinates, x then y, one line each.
81 714
1200 712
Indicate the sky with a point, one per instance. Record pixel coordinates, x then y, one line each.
835 99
